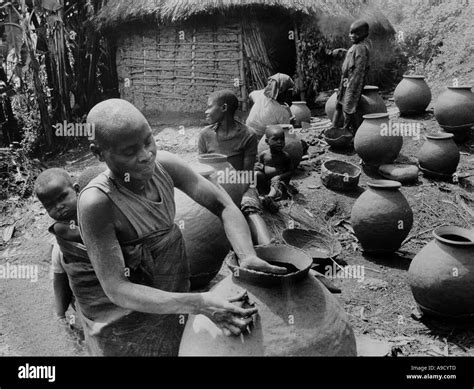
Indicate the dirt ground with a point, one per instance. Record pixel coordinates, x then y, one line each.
381 309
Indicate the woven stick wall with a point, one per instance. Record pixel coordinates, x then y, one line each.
175 68
258 63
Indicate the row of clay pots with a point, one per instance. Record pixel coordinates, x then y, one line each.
453 109
441 275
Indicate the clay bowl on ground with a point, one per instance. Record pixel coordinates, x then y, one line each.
436 175
338 138
340 175
295 260
317 244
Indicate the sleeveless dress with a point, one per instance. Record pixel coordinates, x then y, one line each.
157 258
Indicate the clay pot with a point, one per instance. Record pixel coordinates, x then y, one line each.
439 155
454 111
441 275
296 314
404 174
293 144
205 240
340 175
330 106
370 102
224 174
371 142
412 95
381 217
338 138
301 112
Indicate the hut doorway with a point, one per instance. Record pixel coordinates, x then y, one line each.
279 38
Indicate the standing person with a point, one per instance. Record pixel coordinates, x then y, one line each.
138 302
270 105
354 72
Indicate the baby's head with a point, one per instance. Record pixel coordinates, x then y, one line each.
359 30
220 104
275 138
58 194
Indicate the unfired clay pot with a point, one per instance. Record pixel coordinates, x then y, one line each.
296 316
301 112
454 111
381 217
293 144
412 95
439 154
370 102
371 142
441 275
203 232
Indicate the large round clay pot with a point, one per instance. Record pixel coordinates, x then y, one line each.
370 102
381 217
374 142
412 95
235 183
330 106
296 316
454 111
301 112
439 154
293 145
205 239
441 275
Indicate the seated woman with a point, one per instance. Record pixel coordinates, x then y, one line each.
270 104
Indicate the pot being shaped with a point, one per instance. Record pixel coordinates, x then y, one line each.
454 111
370 102
301 112
441 275
439 154
373 141
297 317
381 217
293 145
412 95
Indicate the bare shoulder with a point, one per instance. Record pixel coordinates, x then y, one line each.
176 167
94 206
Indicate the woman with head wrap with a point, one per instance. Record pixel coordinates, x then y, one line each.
270 104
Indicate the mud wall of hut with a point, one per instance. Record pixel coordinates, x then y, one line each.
174 68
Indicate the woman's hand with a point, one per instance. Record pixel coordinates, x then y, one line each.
255 263
229 317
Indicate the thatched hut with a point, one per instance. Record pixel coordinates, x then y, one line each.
171 54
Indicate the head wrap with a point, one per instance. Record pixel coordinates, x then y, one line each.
278 83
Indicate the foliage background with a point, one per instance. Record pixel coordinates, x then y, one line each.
438 38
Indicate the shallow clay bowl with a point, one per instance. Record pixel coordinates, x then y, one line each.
338 138
316 244
276 254
340 175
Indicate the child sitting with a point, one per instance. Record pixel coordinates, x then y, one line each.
274 168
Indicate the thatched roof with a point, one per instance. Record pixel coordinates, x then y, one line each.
119 12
